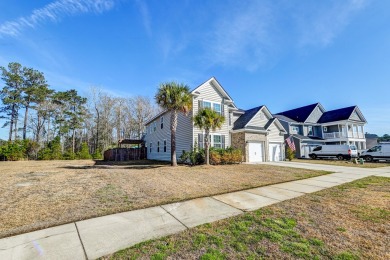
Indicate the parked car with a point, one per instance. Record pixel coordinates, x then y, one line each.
378 152
341 152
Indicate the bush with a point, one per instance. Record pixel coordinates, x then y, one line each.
290 154
69 155
194 157
97 155
84 152
13 151
225 156
51 151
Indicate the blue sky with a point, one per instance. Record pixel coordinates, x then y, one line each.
283 54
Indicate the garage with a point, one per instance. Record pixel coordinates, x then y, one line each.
255 152
275 152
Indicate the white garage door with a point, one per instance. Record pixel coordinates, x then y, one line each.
275 152
255 152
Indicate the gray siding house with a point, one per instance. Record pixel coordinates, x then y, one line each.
312 125
256 132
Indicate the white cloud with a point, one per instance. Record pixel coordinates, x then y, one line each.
242 35
253 34
54 12
146 18
321 23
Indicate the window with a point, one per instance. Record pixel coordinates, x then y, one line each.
158 146
318 148
375 149
325 129
150 148
295 129
217 141
162 122
217 108
230 118
310 130
206 104
154 126
165 146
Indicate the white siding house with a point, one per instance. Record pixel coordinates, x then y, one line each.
211 94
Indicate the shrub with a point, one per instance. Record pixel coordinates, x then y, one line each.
84 152
225 156
193 157
13 151
97 155
290 154
215 157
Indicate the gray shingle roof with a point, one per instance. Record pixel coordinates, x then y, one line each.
245 118
299 114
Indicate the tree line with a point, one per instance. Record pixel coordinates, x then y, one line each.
43 123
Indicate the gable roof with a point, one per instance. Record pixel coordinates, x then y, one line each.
340 114
300 114
246 117
284 118
214 82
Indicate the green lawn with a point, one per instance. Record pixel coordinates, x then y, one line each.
351 221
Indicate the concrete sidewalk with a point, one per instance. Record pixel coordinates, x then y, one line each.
93 238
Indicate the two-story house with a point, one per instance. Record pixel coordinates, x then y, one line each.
312 125
256 132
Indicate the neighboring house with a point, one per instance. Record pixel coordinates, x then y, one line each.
256 132
312 125
371 140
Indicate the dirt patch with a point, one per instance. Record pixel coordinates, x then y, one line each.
351 221
67 191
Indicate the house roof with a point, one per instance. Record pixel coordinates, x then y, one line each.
216 84
299 114
284 118
337 115
246 117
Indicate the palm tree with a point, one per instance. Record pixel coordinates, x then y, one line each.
175 98
208 119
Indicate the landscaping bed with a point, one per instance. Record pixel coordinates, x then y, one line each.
40 194
351 221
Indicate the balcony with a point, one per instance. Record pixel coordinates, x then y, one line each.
336 135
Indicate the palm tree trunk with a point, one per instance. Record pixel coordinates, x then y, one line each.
173 137
207 146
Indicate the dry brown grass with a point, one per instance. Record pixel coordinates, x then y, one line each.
343 163
351 221
39 194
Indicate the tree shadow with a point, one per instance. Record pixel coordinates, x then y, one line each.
134 165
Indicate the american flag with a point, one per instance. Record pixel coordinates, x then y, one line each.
290 143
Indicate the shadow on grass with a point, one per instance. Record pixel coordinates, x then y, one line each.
134 165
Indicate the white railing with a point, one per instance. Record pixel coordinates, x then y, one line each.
341 134
333 135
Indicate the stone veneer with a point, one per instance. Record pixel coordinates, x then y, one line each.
240 139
